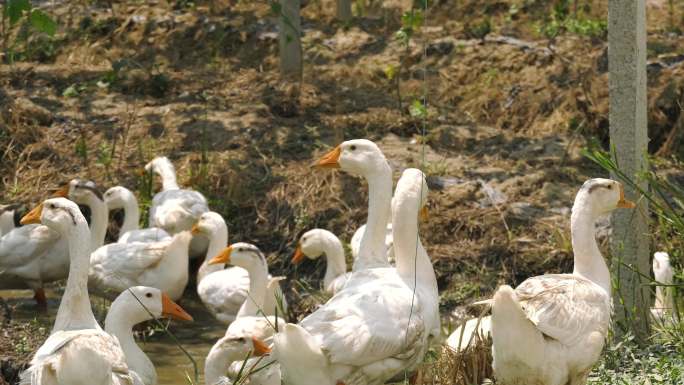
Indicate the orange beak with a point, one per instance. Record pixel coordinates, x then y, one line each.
330 160
298 255
624 203
171 309
260 347
195 229
222 257
33 216
424 214
62 192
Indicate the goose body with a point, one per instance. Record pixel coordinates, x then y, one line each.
317 242
249 320
374 328
119 197
551 329
663 273
133 306
175 209
224 290
78 351
162 265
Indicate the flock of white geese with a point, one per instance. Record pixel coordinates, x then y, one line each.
378 325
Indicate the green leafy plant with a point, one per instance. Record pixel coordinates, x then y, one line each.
411 22
21 12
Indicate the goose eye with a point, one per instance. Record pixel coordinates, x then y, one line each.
241 249
610 187
51 206
352 147
148 295
241 340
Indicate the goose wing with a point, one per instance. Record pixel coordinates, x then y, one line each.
565 307
368 322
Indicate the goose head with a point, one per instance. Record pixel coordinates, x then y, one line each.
117 197
141 303
208 223
236 346
599 196
359 157
158 164
83 191
241 254
311 245
413 186
59 214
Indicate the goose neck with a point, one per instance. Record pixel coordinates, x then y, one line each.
372 252
168 175
218 240
258 276
74 310
131 215
335 263
588 261
98 219
411 259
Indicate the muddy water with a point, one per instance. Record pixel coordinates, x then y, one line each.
172 364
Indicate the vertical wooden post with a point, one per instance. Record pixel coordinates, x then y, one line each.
290 43
629 137
344 10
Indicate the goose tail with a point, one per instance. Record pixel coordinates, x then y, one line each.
301 359
514 337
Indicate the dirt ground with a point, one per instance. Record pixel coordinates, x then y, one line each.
508 115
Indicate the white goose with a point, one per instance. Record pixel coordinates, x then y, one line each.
317 242
78 351
375 327
34 254
119 197
224 291
175 209
663 273
233 348
250 319
9 218
363 157
133 306
551 328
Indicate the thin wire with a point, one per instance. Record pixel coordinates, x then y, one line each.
422 168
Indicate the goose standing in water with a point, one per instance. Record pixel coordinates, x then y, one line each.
78 351
35 254
551 328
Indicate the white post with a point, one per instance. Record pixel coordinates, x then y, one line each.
629 137
290 43
344 10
